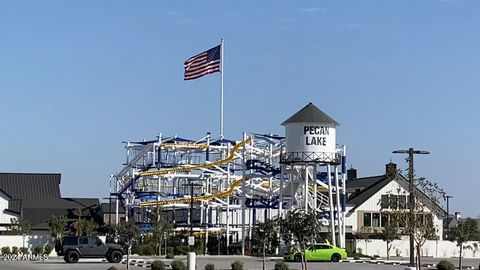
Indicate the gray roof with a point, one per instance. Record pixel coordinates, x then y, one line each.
30 185
39 211
310 114
364 188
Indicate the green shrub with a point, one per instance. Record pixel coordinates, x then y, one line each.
445 265
178 265
6 250
37 250
158 265
210 266
281 266
237 265
181 250
170 252
24 250
47 249
146 250
14 250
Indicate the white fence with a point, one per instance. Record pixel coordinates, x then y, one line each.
432 248
28 241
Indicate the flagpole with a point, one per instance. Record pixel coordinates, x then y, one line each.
221 94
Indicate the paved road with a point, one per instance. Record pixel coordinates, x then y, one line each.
221 262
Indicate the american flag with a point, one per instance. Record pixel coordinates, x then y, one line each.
202 64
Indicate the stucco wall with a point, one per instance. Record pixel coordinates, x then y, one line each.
432 248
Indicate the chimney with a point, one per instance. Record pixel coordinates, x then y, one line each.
351 174
391 169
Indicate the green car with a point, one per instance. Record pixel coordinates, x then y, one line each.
318 252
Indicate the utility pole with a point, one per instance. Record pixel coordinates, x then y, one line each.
411 191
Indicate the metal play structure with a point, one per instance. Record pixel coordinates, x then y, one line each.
225 187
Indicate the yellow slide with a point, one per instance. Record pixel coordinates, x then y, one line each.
199 166
219 195
222 194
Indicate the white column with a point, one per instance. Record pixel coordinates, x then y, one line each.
315 191
228 205
244 196
305 199
344 190
337 195
280 199
330 202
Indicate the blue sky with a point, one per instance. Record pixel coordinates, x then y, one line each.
78 78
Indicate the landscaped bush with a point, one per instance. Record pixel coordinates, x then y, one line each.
178 265
210 266
37 250
445 265
47 249
170 252
158 265
281 266
6 250
181 250
146 250
24 250
14 250
237 265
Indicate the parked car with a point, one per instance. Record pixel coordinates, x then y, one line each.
318 252
72 248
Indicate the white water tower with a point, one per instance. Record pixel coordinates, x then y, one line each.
310 142
310 137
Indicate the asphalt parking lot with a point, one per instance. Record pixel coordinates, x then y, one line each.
221 263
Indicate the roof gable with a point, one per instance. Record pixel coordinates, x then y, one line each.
377 183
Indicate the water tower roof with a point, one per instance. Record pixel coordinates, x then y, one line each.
310 114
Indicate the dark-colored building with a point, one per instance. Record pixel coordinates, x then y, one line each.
35 198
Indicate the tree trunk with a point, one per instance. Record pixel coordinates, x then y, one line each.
388 250
304 258
263 261
460 257
419 262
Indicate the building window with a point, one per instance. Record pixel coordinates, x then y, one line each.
384 202
367 219
384 220
376 220
393 201
402 202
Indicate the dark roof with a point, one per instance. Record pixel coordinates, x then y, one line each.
310 114
368 187
30 185
362 183
15 206
39 211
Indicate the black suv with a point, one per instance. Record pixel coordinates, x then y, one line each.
75 247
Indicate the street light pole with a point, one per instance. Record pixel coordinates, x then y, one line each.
411 191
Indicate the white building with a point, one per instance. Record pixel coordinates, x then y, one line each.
369 198
6 211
